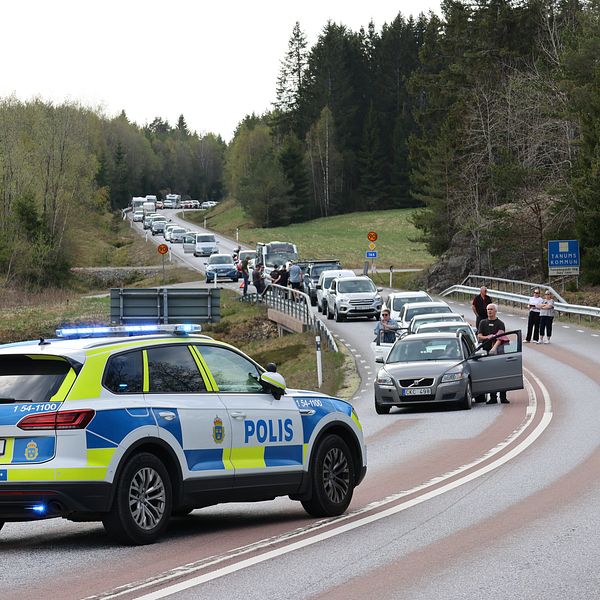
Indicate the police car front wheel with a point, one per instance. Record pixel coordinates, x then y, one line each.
332 478
143 501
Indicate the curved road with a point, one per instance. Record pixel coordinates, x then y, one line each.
496 502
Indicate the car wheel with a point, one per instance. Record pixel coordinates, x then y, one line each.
313 301
382 409
332 478
1 524
142 503
338 317
319 308
329 314
467 401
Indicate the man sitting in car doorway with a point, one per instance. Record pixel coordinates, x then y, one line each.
489 334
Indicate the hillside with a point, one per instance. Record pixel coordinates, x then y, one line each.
342 236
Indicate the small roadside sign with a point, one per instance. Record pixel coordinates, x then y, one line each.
371 246
163 248
372 236
371 254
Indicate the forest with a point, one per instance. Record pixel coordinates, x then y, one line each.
485 117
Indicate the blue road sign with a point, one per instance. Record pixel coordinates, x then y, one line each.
563 257
371 253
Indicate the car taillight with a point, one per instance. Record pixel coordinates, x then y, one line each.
67 419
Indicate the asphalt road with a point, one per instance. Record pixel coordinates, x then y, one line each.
497 502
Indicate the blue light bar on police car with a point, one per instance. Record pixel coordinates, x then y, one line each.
117 330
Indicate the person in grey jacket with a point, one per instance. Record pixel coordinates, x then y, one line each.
546 317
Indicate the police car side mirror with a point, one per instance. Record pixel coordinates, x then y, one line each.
379 359
319 287
274 383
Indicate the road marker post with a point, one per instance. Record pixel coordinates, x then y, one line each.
319 361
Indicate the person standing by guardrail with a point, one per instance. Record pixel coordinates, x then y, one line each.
480 304
533 322
546 317
258 279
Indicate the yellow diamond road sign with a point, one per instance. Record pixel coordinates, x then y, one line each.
372 246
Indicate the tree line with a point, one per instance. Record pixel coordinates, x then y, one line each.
486 117
64 162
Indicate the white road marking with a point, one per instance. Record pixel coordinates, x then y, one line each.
358 355
243 564
565 327
580 331
362 361
595 335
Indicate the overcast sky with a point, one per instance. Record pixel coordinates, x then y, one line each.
214 61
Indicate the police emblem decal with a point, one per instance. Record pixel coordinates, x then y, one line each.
218 430
31 451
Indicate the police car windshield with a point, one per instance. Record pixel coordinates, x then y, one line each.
23 379
351 287
205 238
408 350
280 258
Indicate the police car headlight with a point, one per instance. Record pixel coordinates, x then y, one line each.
383 378
452 376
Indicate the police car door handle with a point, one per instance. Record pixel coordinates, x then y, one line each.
238 415
307 411
167 416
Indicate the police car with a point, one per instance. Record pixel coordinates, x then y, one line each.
131 430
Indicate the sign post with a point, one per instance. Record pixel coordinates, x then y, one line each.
162 250
371 252
391 274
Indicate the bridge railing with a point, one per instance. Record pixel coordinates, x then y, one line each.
295 304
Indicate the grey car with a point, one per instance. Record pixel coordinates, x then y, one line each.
438 368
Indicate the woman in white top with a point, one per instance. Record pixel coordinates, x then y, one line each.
533 322
546 317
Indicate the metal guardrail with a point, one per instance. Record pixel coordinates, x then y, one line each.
297 305
513 286
564 308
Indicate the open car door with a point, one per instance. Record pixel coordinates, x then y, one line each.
498 372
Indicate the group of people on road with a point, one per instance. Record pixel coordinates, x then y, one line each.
490 328
541 316
285 275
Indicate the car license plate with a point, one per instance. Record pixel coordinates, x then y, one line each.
416 391
2 447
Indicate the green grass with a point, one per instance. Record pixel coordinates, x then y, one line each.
343 237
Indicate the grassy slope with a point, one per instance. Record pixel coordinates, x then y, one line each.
343 236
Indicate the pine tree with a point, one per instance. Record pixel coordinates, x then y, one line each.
291 81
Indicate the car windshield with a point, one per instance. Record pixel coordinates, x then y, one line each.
318 269
352 287
411 350
419 320
280 258
398 303
220 260
440 328
423 310
206 238
178 230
